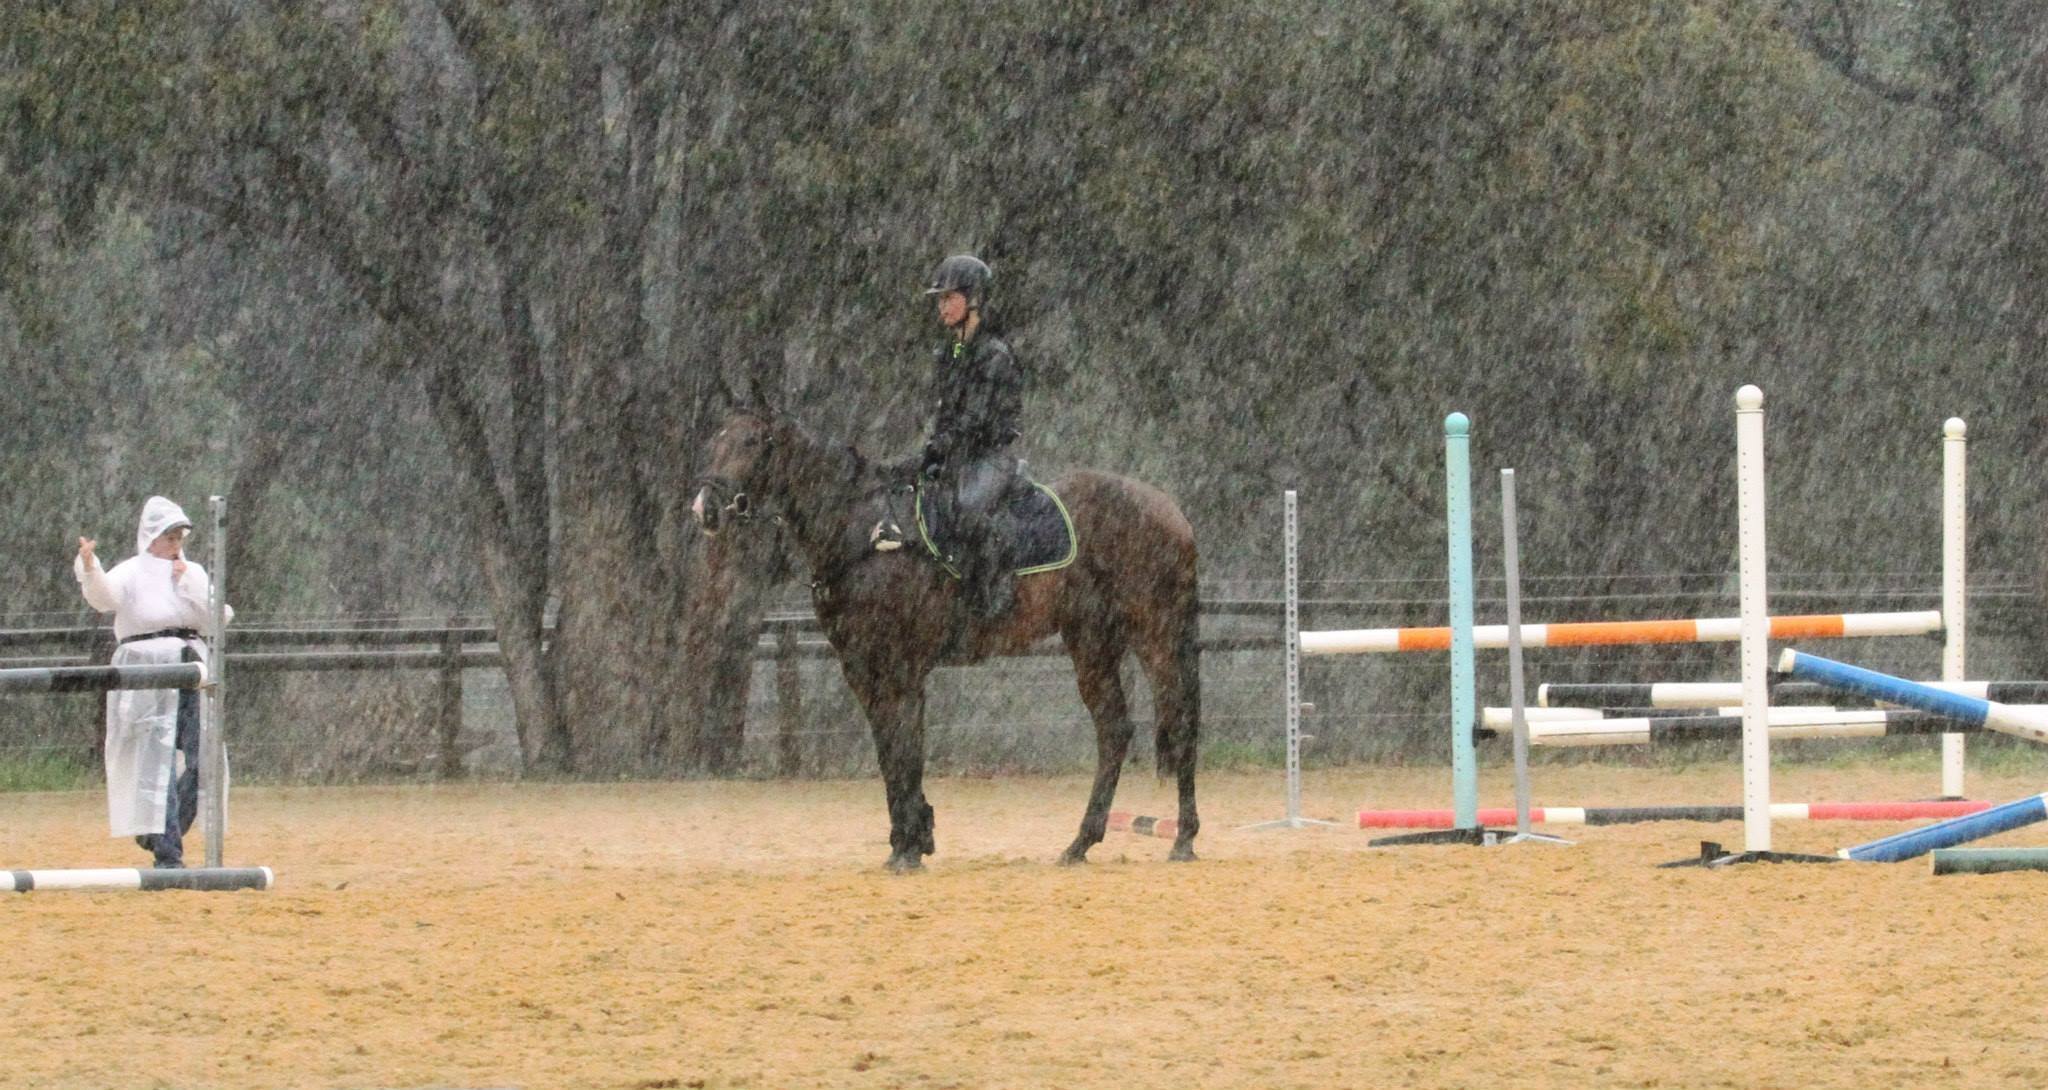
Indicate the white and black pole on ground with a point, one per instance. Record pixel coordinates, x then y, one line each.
106 879
212 722
1511 551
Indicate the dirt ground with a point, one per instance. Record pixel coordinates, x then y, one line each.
744 935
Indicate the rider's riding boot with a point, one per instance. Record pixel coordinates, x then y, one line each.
995 586
985 577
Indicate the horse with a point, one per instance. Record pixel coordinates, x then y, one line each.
893 615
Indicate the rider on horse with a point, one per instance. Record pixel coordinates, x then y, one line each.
980 395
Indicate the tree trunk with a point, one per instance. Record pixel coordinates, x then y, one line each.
513 552
733 578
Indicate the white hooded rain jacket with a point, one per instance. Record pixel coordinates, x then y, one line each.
142 724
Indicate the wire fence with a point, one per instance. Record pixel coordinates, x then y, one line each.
405 695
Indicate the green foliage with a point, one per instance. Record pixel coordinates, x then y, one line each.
43 772
479 272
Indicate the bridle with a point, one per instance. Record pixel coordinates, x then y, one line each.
727 497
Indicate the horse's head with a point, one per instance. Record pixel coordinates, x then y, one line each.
740 462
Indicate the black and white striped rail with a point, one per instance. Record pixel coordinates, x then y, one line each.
98 679
1697 694
1656 730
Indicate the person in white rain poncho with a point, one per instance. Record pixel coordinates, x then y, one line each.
159 603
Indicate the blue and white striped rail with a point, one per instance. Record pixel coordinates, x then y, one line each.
126 878
1947 834
1842 677
99 679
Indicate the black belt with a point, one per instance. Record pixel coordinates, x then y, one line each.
181 633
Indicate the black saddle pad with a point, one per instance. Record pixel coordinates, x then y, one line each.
1042 533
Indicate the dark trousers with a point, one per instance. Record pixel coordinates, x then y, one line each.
970 501
971 496
181 804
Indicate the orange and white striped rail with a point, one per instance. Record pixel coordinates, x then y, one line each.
1365 641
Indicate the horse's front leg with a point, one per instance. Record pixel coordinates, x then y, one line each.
895 710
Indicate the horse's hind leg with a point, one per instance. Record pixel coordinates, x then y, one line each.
1173 666
1097 664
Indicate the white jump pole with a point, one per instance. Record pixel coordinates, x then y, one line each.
1518 721
1511 563
213 719
1292 684
1954 572
1293 661
1755 613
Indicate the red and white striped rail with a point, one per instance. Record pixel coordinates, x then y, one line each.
1365 641
1123 821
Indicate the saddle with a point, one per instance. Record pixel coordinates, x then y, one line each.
1041 531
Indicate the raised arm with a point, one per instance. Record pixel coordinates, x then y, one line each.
93 583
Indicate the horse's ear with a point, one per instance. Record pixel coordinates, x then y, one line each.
721 394
760 394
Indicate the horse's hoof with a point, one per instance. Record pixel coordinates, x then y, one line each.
1072 858
1181 855
904 864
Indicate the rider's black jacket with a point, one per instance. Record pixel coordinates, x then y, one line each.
980 394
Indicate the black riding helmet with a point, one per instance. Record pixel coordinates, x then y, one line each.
964 273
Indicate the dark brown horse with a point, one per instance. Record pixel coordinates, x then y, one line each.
891 613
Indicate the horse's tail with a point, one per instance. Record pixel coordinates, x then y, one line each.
1177 722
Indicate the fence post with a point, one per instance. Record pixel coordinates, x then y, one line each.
100 652
449 719
789 710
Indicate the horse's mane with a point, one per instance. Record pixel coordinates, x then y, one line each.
866 474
